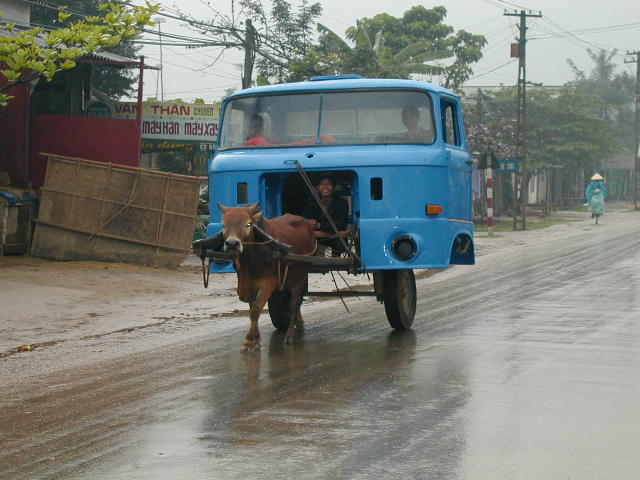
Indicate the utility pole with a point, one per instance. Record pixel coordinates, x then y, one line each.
160 20
521 124
249 54
636 155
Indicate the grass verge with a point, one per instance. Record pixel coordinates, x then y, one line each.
506 225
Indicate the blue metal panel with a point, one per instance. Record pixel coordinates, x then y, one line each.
342 84
411 177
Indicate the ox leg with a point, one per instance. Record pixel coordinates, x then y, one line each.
252 341
296 325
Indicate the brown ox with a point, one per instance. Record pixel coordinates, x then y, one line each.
259 273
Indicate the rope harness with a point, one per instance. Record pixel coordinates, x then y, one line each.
206 271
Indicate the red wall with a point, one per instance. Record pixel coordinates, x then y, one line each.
13 134
92 138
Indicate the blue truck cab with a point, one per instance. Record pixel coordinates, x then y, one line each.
396 148
398 153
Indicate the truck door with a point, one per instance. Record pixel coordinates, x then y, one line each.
459 161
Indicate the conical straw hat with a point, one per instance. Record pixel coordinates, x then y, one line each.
597 176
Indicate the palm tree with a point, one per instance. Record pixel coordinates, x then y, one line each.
375 59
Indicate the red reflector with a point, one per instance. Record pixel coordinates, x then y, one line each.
433 209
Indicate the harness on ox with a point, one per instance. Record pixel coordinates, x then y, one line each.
261 262
215 242
261 275
280 250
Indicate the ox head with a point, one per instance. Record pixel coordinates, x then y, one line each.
238 225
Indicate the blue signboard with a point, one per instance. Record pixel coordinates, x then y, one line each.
509 165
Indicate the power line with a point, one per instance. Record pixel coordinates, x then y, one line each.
567 35
482 22
494 3
594 30
513 60
514 5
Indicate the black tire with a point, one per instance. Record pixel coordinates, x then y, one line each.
399 296
279 310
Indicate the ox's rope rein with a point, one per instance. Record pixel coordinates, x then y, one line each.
283 278
206 271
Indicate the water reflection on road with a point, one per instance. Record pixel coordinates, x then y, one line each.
525 369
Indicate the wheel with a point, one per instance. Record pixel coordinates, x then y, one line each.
279 310
399 296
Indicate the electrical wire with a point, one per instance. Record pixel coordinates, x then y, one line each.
594 30
494 3
572 38
514 5
493 69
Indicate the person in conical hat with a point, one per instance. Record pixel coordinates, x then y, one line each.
596 181
596 204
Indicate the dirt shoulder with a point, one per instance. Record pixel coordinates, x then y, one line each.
44 302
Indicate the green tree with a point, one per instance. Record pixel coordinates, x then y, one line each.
367 57
281 36
112 81
402 46
174 161
564 127
286 35
37 53
616 90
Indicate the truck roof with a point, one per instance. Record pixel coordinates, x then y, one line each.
344 82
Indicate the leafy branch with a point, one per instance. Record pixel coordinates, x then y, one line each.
35 53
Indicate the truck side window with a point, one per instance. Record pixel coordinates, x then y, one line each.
450 123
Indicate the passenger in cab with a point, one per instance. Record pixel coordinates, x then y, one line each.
337 207
411 120
255 132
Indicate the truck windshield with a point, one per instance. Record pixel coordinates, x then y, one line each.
343 117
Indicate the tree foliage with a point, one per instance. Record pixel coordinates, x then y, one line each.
402 46
382 46
279 37
370 57
174 162
287 35
564 127
113 81
617 91
38 53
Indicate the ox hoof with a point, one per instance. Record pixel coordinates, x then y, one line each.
290 338
250 347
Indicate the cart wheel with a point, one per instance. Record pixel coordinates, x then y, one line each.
279 310
399 295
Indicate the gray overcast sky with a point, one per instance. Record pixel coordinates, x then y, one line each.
566 30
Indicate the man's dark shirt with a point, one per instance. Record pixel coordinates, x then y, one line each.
338 209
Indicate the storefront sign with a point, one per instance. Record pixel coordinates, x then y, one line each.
173 122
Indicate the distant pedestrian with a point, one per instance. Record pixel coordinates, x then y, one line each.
596 204
596 181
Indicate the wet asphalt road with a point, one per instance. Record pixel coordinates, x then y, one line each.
527 368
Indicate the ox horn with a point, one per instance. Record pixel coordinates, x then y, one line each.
213 242
254 208
223 208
